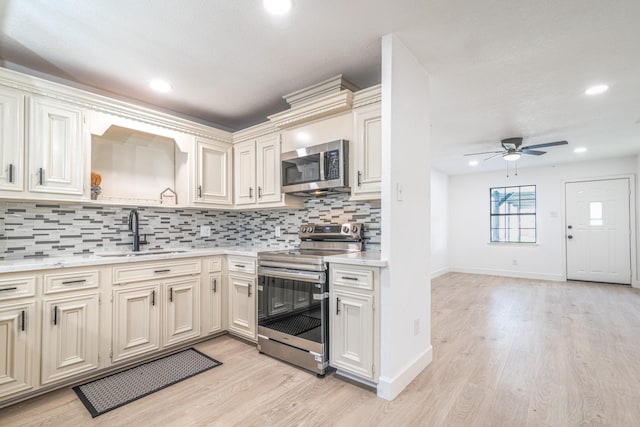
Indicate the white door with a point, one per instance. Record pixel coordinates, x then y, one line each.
213 174
212 304
245 173
598 231
11 140
182 312
18 338
268 168
242 306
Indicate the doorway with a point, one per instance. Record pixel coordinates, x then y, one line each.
598 232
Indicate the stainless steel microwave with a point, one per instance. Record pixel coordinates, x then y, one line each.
316 170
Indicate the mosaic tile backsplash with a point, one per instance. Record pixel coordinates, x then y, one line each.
29 229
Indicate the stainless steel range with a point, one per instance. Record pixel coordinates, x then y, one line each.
293 295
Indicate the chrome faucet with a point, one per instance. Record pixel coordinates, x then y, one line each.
134 227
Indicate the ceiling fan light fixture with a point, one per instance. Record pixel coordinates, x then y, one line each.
596 90
511 157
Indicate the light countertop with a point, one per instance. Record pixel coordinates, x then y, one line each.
107 258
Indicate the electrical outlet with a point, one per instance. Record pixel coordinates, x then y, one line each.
278 234
205 231
416 327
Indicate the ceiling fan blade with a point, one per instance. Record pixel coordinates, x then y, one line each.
484 152
548 144
491 157
534 152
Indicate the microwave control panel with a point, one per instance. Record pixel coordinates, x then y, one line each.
332 165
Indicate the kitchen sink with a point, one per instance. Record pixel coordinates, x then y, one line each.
117 254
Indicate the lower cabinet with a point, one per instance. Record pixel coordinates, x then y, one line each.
353 321
18 334
212 304
136 320
242 305
70 336
181 310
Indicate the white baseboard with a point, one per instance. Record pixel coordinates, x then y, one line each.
510 273
390 388
439 272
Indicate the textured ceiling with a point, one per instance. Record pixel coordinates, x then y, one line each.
498 68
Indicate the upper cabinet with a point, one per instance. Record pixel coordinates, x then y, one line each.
11 140
367 153
213 173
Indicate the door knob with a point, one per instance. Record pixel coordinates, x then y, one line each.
569 236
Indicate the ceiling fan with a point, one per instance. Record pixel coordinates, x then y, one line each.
513 150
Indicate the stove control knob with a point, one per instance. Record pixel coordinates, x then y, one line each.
354 229
305 229
345 229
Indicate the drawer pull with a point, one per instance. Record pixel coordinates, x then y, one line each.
55 315
73 282
240 265
349 278
166 270
23 320
13 288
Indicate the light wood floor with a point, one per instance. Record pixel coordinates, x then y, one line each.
507 352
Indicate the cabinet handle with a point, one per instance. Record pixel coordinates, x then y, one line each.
239 265
249 290
55 315
259 192
41 176
10 172
73 282
251 192
349 278
170 294
13 288
166 270
153 297
215 285
23 318
337 306
359 179
199 191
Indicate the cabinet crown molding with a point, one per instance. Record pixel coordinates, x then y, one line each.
325 106
370 95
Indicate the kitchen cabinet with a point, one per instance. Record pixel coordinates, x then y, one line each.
181 310
18 334
212 297
213 173
70 336
353 320
56 147
242 297
257 173
11 140
367 153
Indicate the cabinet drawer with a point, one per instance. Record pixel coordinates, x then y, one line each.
71 281
155 270
17 287
214 264
242 264
352 277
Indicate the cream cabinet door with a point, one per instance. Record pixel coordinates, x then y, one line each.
55 146
352 328
212 304
245 173
136 321
182 310
242 305
268 169
69 337
367 173
213 172
11 140
18 347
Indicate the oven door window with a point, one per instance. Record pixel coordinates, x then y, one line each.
301 170
292 307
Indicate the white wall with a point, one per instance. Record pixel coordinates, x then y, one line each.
439 223
469 249
405 284
637 260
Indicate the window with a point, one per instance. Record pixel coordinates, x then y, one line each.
513 214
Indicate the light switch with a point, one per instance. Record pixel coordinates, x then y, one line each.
399 192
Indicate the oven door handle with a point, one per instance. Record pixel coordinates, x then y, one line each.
291 266
303 276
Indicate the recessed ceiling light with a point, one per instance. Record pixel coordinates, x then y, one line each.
473 163
596 90
580 149
277 7
160 85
